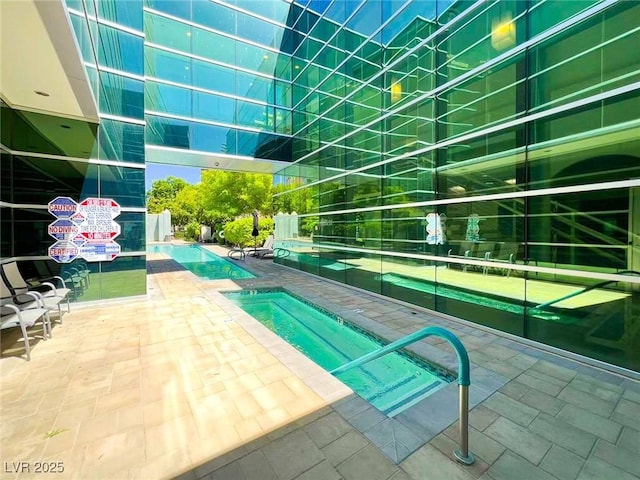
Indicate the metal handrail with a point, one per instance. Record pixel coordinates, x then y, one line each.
463 455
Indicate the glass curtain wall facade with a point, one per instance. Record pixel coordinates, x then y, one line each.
45 156
211 83
480 159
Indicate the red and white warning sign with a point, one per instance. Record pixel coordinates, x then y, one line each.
99 229
86 229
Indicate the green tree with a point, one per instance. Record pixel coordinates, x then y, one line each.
186 206
230 194
163 193
238 232
292 199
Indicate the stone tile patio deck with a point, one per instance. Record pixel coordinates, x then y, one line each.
184 384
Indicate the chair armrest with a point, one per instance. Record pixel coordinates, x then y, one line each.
45 281
11 306
43 287
37 297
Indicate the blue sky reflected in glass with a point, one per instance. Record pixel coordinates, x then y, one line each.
161 172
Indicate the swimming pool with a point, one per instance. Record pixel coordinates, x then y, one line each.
391 383
202 262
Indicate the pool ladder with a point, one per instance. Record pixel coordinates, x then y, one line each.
462 455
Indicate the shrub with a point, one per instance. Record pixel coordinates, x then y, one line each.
192 231
238 232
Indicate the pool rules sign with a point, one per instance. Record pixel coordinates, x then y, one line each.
86 229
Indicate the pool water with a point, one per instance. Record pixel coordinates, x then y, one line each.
203 263
391 383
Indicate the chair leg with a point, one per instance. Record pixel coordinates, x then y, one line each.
25 337
46 325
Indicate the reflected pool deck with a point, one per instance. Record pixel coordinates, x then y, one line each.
183 383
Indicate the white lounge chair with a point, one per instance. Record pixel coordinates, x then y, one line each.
265 249
12 316
50 295
23 315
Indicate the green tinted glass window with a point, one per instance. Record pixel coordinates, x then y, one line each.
214 46
213 107
124 184
120 50
254 87
127 13
177 8
254 115
547 13
213 15
214 77
168 66
256 59
121 96
167 32
587 59
168 99
257 30
81 31
121 141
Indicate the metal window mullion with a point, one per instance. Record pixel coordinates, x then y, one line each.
504 56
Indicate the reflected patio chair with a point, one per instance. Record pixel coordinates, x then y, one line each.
484 252
467 250
81 270
507 253
71 281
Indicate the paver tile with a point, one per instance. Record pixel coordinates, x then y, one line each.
342 448
630 439
543 402
604 391
596 469
563 434
626 413
322 471
481 417
480 444
519 439
327 429
587 401
365 420
428 463
512 409
222 397
590 422
539 384
447 447
292 454
368 463
512 467
515 389
618 456
553 370
562 463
